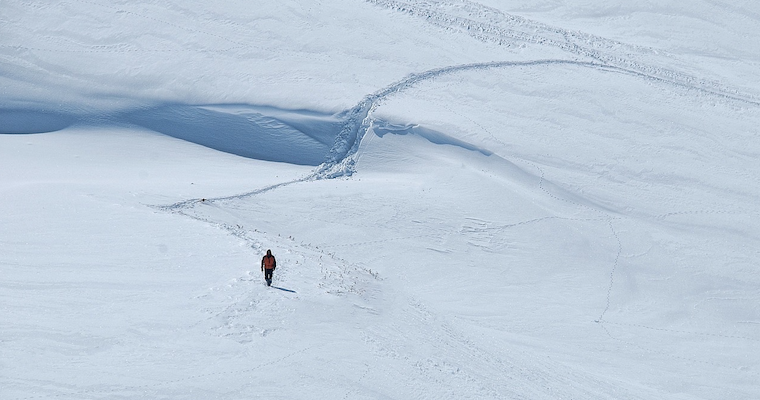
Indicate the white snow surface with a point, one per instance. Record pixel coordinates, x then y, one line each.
467 200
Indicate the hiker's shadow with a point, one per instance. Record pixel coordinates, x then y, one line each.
283 289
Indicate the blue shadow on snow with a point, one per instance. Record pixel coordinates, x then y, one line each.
20 121
299 137
283 289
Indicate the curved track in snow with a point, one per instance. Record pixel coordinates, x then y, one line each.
340 160
491 25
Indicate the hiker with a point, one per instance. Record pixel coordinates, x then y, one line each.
268 264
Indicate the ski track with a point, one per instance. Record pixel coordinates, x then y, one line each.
341 161
491 25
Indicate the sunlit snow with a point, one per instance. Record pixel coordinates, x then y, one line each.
467 200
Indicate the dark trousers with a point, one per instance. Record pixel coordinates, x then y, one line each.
268 275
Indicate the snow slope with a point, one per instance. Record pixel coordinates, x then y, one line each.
508 200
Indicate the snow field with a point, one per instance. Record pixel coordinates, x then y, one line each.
467 200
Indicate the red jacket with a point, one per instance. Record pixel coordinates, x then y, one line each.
268 262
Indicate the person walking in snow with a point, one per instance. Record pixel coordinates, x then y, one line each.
268 264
